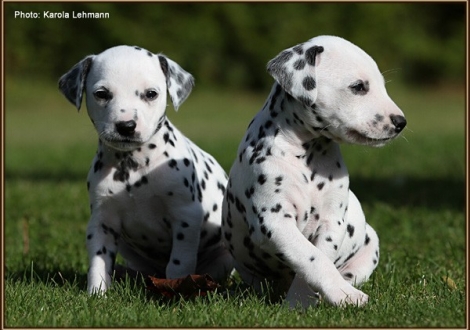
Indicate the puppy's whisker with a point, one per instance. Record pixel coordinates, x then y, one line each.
390 71
403 137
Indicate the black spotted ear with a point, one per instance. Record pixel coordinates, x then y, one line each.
294 69
179 82
72 83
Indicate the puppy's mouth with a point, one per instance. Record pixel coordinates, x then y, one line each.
360 138
119 142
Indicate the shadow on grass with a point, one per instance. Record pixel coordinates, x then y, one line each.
64 277
431 193
51 176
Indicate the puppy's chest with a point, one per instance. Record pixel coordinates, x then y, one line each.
326 187
133 187
130 187
311 185
134 181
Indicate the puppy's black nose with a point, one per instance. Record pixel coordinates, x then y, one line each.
126 128
399 122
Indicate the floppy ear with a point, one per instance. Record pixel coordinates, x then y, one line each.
179 82
72 83
294 69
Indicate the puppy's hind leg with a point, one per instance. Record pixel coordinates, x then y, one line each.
358 269
361 262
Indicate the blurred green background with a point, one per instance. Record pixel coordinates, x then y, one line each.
229 44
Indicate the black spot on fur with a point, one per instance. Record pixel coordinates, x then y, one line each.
309 159
276 208
248 243
261 179
299 64
260 160
221 187
249 192
350 230
268 124
298 49
305 100
240 207
350 256
98 166
208 167
309 83
263 229
173 164
311 54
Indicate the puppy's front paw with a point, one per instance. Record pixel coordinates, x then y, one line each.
347 295
98 285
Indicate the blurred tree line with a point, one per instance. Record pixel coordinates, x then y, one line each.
229 44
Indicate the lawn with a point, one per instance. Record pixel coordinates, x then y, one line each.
412 191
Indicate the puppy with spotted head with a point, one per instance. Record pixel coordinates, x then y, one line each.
155 197
288 214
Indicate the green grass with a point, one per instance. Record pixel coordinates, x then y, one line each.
412 191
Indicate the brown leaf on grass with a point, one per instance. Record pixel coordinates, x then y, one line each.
189 286
450 282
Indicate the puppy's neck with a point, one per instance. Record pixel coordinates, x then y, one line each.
296 123
139 157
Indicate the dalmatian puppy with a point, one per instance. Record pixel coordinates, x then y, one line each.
288 214
155 197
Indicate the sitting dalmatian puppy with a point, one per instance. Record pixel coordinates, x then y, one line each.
288 214
155 197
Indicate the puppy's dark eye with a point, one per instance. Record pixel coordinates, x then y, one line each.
151 94
359 87
102 95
